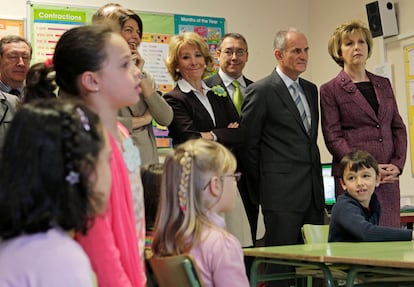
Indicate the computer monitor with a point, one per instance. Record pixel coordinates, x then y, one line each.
328 184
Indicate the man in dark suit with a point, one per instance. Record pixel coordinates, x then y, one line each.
281 150
233 55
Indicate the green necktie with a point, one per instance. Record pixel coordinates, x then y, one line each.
237 96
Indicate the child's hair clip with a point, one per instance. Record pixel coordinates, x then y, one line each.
72 177
84 119
49 63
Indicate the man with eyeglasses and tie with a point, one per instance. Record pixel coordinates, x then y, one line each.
280 118
232 53
15 56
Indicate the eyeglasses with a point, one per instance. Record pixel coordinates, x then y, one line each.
16 58
236 177
238 52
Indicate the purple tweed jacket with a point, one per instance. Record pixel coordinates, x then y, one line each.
349 123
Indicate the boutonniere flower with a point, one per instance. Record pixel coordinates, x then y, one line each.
219 91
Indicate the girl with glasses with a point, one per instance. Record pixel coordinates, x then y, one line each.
198 185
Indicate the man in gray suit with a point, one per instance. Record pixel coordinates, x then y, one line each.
8 103
280 117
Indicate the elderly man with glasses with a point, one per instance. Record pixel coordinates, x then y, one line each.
15 56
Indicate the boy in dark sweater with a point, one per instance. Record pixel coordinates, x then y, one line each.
356 214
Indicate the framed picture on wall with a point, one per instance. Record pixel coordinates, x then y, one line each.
11 27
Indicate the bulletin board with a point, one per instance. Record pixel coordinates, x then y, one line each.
11 27
49 22
409 78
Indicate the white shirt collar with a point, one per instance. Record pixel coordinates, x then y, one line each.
186 87
288 81
227 80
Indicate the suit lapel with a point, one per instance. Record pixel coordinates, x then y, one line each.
197 105
356 96
378 85
216 80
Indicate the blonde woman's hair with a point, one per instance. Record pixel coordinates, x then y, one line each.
182 212
343 32
179 41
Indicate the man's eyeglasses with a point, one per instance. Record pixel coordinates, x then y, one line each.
16 58
238 52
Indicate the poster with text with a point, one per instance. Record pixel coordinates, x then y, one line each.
158 30
47 27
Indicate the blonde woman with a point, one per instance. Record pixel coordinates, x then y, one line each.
359 112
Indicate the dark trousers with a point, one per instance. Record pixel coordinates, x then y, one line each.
284 228
251 208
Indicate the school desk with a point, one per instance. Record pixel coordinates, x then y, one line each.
392 259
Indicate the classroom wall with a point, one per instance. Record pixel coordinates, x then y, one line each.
259 20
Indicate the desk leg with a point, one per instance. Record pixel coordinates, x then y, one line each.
255 278
253 273
330 282
403 277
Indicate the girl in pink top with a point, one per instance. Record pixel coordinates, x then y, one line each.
199 183
54 177
94 63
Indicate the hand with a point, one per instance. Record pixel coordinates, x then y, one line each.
234 125
143 120
388 173
139 61
207 135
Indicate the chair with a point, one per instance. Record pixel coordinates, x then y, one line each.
177 270
312 233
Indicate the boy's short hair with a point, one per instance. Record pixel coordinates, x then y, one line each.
357 160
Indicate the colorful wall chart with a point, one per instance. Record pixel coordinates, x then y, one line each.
49 22
212 29
47 27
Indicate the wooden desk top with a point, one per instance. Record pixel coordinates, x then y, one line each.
384 254
306 252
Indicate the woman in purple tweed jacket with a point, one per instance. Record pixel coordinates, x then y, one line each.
359 111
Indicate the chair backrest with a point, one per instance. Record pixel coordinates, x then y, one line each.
313 233
179 270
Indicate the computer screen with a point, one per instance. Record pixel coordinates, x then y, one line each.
328 184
